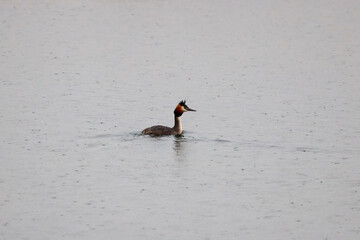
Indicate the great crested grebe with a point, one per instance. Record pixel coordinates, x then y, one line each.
160 130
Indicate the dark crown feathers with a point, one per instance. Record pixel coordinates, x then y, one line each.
183 103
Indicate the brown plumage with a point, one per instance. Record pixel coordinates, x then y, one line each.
160 130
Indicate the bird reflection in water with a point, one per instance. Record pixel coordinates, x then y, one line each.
178 147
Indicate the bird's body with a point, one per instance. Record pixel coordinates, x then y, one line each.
160 130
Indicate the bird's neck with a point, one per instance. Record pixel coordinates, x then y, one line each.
177 125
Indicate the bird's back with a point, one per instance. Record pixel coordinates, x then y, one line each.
159 130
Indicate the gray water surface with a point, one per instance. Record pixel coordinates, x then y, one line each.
271 153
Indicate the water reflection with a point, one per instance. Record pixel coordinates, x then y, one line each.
178 147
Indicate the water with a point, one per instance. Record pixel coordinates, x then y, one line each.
271 153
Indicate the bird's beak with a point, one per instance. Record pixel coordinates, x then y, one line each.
189 109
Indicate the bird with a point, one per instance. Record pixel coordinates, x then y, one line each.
160 130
